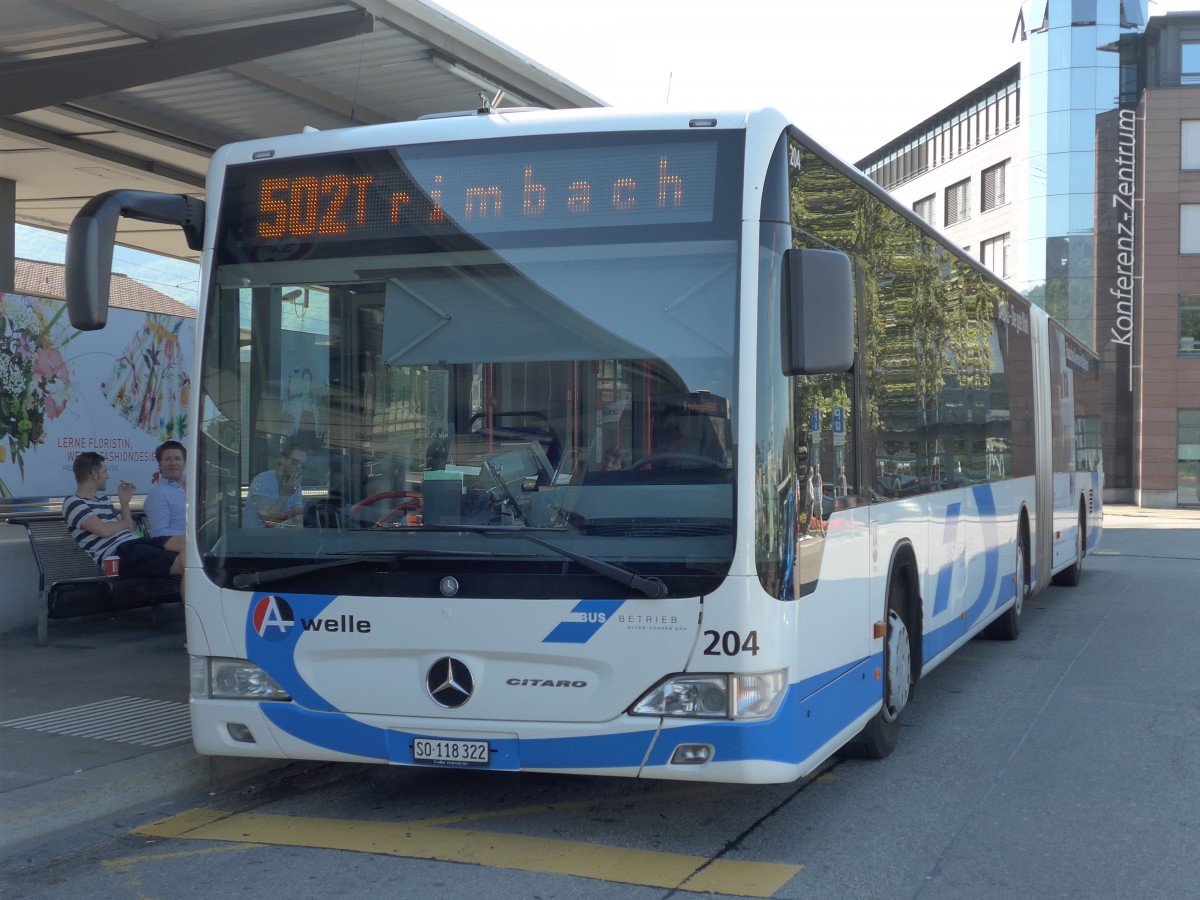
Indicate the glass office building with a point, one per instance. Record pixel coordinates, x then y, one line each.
1073 75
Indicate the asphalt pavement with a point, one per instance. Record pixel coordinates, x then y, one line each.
94 727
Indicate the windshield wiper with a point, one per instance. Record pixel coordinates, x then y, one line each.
650 587
269 576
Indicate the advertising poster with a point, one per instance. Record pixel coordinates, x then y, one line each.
120 391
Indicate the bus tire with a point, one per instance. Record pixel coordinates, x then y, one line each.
1070 576
1008 626
880 736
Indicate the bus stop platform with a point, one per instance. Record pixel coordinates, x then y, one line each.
94 727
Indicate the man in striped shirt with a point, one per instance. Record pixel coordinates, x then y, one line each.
103 531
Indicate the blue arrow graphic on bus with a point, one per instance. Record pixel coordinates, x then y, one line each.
585 620
941 599
985 501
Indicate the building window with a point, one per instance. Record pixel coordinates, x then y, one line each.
1189 325
1189 52
1188 478
994 254
1189 227
992 193
925 208
1190 144
958 203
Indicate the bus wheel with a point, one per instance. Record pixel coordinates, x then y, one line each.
1008 626
1070 576
881 734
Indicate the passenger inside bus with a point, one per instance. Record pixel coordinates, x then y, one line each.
614 460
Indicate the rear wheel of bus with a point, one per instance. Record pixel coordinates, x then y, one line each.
1070 576
1008 626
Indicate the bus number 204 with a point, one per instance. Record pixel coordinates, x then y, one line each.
730 643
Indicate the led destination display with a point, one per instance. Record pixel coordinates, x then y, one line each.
418 192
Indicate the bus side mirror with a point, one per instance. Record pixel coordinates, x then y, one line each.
94 232
818 312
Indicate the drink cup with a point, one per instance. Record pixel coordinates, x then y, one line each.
112 566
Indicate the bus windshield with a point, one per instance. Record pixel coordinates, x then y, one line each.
400 387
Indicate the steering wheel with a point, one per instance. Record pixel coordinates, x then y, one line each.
412 500
283 518
680 460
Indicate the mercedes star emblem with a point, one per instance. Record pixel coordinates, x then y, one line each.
449 682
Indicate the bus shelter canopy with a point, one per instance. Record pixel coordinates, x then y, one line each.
106 94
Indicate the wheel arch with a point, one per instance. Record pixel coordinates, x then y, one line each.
1025 533
1083 524
903 565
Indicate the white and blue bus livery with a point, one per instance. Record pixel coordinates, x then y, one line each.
660 445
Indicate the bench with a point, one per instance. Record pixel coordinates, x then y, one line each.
71 583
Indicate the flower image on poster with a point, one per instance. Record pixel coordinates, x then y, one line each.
148 385
35 384
119 391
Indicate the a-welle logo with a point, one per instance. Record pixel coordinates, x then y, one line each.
272 618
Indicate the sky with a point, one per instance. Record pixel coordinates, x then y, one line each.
852 74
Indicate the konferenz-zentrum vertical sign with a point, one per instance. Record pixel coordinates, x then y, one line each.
1123 199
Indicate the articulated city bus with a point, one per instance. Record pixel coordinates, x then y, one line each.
660 445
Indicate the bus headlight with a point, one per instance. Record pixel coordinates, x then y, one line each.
232 679
727 696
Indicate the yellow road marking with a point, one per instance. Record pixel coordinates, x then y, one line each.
502 851
126 862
